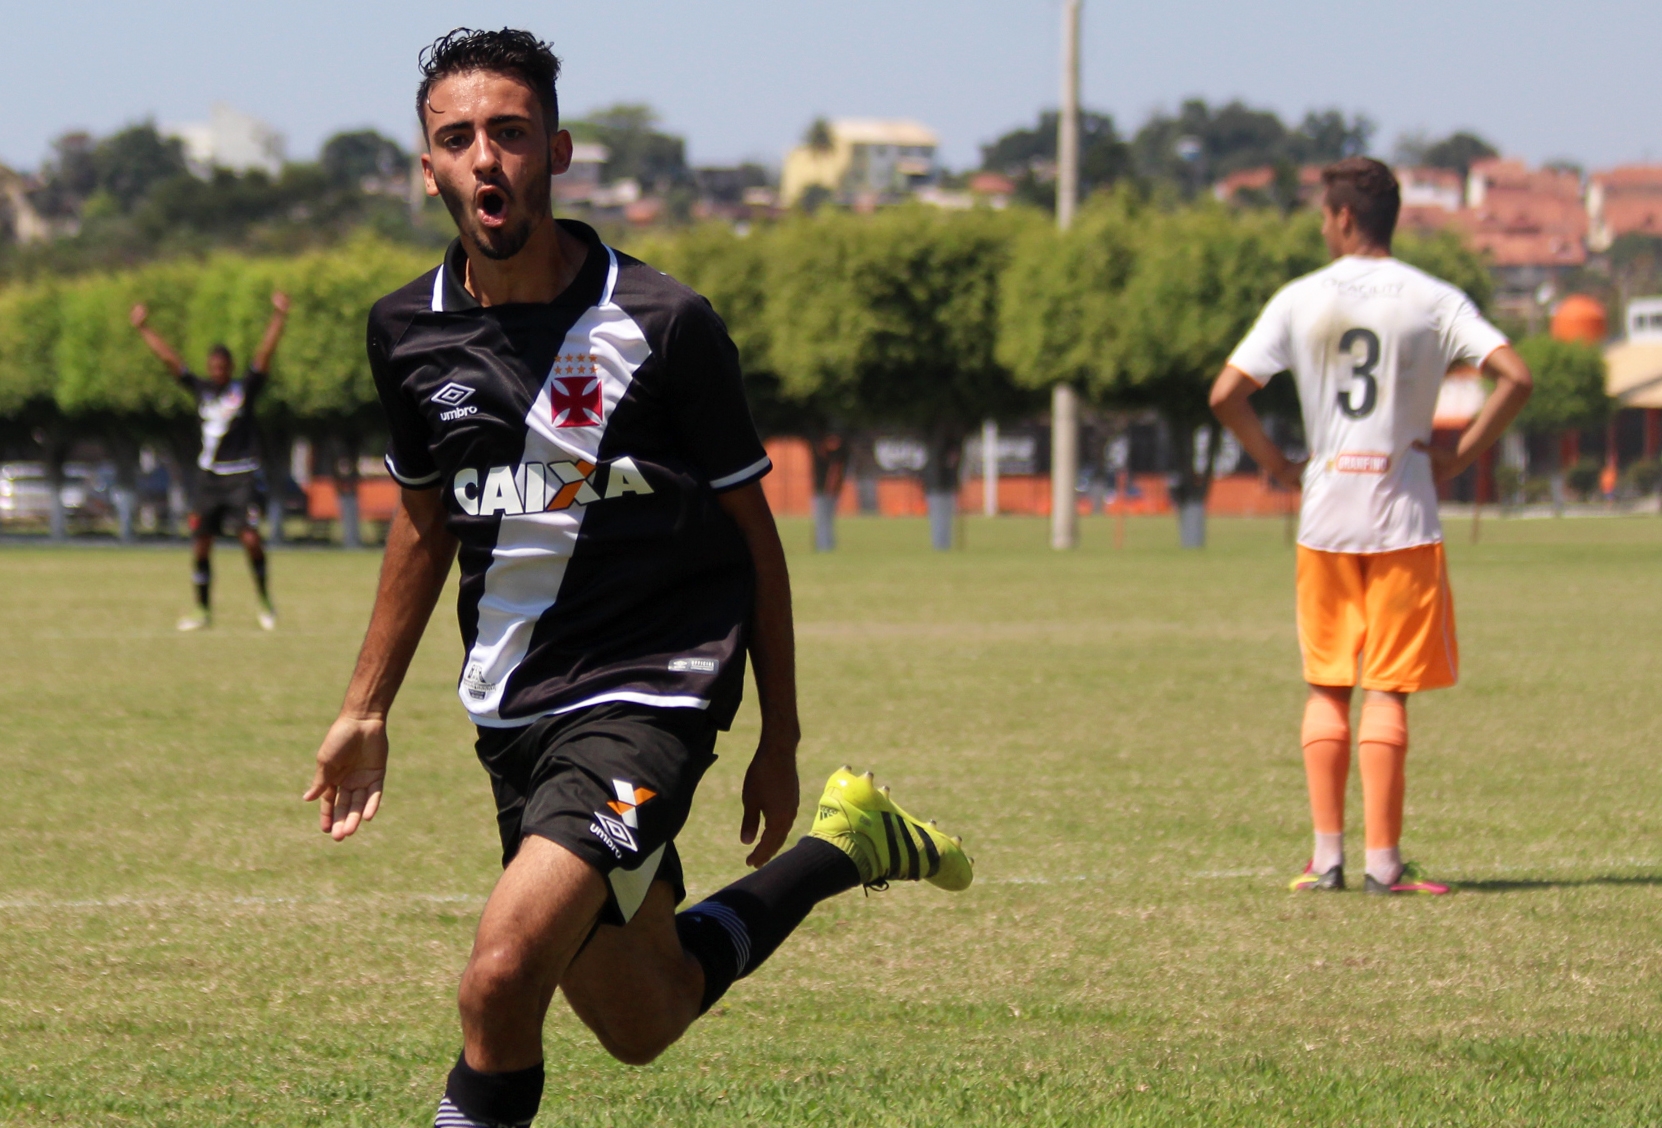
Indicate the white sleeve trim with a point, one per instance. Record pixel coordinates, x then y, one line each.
406 480
754 470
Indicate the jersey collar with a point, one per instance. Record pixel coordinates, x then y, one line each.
450 291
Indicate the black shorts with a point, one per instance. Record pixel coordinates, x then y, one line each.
226 504
612 783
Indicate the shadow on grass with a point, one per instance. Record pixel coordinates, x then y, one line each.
1509 886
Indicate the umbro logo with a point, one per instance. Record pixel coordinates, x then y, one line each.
617 830
452 394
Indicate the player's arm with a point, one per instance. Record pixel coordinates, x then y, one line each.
771 789
1230 395
352 760
273 332
1513 385
139 316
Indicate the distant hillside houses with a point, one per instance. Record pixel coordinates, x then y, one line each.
1535 224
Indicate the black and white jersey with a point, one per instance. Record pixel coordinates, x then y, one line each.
579 447
230 442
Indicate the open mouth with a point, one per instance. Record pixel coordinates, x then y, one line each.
493 204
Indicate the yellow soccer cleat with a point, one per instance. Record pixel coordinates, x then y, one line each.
887 844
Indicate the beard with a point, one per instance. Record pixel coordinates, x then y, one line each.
508 240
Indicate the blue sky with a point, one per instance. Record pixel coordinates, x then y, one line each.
742 78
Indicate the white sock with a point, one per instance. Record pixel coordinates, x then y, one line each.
1329 852
1385 866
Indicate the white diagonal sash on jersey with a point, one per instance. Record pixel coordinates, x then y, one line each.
532 550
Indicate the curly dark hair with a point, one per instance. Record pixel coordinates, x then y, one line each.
508 51
1368 188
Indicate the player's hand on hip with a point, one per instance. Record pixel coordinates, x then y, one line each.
1290 474
351 771
1445 464
771 797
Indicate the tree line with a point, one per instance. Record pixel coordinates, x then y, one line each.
914 320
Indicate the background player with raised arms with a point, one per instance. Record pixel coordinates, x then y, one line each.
1368 340
228 467
572 423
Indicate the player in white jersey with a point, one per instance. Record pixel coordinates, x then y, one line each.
1368 340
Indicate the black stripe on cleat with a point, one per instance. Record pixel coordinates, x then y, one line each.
894 846
911 853
934 854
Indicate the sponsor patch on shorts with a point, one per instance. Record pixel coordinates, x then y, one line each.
694 665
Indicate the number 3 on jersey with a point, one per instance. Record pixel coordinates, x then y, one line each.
1361 374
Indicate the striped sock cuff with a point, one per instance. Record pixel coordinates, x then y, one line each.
449 1116
732 925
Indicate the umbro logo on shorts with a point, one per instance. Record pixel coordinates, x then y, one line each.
617 830
537 487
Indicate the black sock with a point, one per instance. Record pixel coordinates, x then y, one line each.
257 566
202 575
486 1100
731 932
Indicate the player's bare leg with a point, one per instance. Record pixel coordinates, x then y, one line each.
255 549
665 982
202 578
538 916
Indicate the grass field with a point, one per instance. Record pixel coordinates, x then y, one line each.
1114 733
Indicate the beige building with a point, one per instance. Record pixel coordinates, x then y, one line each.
862 160
1633 365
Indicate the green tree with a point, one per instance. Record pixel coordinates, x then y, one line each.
1028 156
892 319
348 158
1202 275
1059 296
1457 152
1569 385
130 163
732 271
638 150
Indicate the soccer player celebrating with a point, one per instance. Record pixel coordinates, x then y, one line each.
1368 340
575 423
230 459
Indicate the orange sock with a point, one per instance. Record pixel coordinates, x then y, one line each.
1326 739
1383 748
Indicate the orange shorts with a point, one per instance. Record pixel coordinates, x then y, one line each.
1393 609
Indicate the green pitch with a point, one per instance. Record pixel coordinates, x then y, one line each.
1114 734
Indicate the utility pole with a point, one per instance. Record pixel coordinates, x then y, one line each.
1064 401
989 468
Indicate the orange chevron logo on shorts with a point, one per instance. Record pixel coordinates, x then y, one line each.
628 798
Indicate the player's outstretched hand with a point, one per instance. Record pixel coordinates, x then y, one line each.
280 301
138 315
351 770
771 797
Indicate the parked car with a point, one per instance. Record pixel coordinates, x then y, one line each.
25 493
